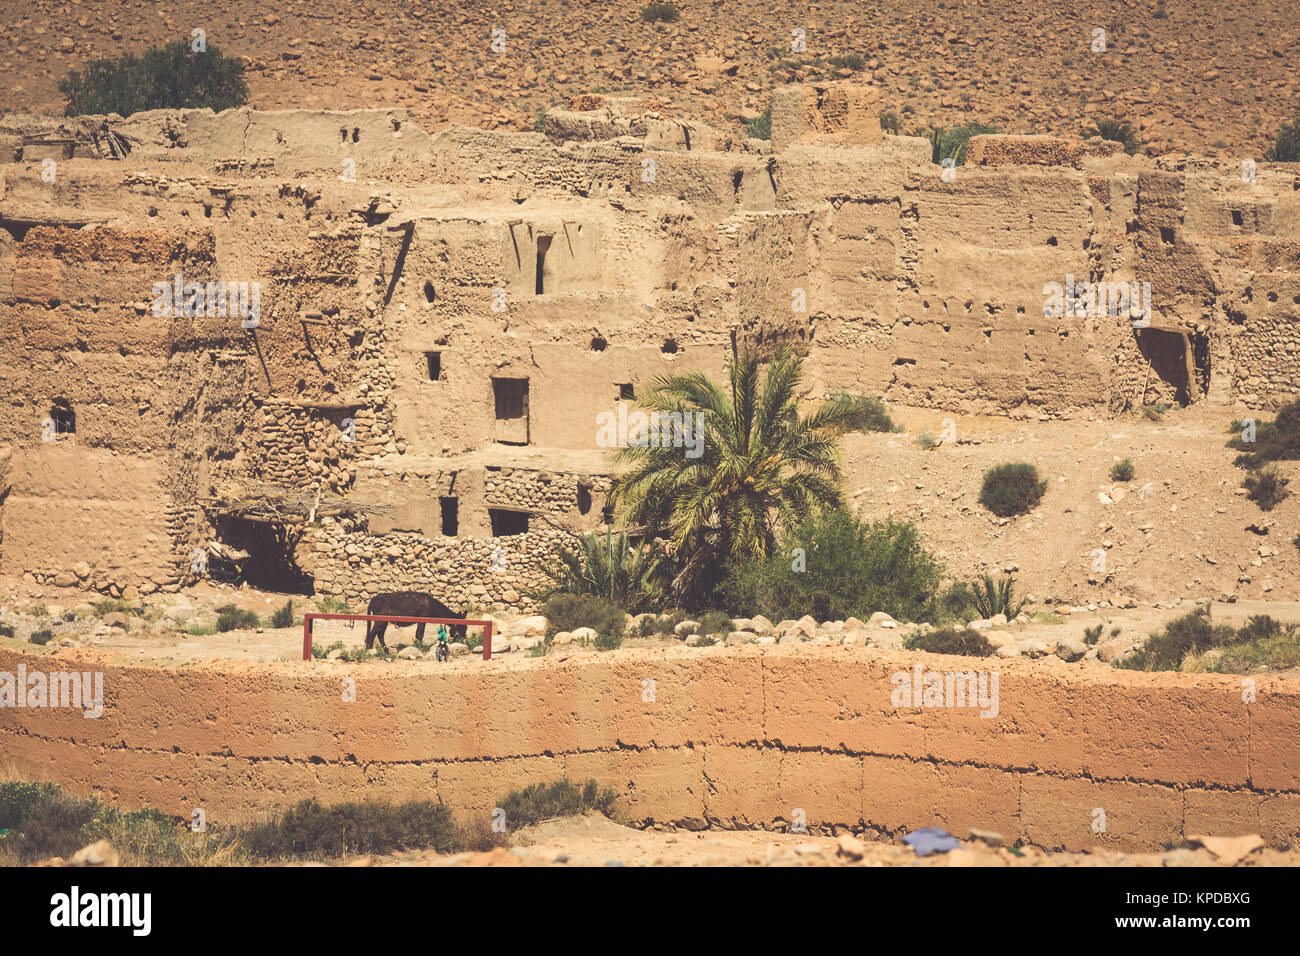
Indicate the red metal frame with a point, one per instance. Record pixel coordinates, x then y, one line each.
393 619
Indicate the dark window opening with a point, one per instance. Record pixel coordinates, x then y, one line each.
598 344
434 362
511 398
626 393
904 361
736 178
1236 217
584 499
450 516
543 247
669 346
508 522
356 134
429 293
1051 240
1167 235
64 418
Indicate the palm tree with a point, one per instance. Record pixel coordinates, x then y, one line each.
612 567
763 467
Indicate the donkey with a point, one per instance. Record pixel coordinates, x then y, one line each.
412 604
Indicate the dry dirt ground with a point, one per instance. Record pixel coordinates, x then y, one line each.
594 840
1187 74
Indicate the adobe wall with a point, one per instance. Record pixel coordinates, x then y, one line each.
736 737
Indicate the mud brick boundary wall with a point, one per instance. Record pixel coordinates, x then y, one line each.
736 737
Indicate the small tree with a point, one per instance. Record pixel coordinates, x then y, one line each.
1011 489
170 77
1286 148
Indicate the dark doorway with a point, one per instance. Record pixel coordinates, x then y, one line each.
270 565
511 399
450 516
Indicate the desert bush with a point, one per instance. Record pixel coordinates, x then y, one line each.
43 636
849 568
889 122
232 618
1278 440
864 413
6 630
1122 471
1261 644
609 566
312 830
283 617
1116 131
545 801
760 127
567 612
1091 635
928 440
43 820
1011 489
702 640
660 13
321 651
849 61
951 640
120 605
201 630
996 597
1191 633
956 603
170 77
715 622
1267 488
669 620
951 143
1286 147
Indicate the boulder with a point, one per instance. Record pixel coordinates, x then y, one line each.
686 628
760 625
879 618
581 634
1071 649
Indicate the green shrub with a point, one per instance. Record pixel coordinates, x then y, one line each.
6 630
996 597
120 605
171 77
567 612
43 820
1091 635
1286 148
539 121
715 622
232 618
889 122
659 13
1278 440
1262 644
201 630
332 605
609 566
1117 132
951 640
1122 471
322 651
849 61
608 641
702 640
1011 489
1165 650
951 143
760 127
850 568
864 413
546 801
283 617
1267 488
666 622
928 440
43 636
312 830
957 603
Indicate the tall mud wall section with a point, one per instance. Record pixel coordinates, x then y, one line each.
742 737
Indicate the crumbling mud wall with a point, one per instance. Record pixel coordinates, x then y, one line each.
430 301
735 738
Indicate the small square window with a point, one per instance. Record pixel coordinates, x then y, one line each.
626 393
